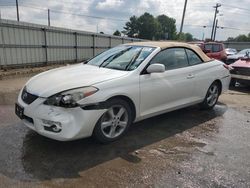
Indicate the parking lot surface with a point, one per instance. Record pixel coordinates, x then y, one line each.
184 148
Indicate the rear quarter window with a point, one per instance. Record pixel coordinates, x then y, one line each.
193 58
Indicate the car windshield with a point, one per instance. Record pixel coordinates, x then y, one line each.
244 52
123 57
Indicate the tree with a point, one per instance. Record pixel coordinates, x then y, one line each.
117 33
168 27
187 37
240 38
101 32
147 26
230 39
131 27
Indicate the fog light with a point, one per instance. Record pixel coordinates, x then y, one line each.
55 128
52 126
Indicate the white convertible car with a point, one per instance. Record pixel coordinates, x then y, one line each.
120 86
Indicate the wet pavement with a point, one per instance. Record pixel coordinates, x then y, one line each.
184 148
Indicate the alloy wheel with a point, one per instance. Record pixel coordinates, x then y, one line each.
213 94
114 121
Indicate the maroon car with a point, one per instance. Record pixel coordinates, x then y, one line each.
215 50
240 71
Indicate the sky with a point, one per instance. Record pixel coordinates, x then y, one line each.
113 14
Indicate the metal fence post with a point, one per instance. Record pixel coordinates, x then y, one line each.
110 42
94 45
76 46
2 65
45 46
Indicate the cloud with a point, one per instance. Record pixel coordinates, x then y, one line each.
109 4
198 14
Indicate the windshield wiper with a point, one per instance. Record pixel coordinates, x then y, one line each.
114 57
134 59
85 62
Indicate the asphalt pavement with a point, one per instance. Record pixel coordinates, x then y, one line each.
184 148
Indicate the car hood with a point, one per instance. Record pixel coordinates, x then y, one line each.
235 56
57 80
241 63
230 53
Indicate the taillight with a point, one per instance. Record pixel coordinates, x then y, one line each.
226 66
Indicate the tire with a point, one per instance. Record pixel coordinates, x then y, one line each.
114 123
233 82
211 97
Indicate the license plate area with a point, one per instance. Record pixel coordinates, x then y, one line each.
19 111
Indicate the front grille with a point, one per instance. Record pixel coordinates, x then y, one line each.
241 71
27 97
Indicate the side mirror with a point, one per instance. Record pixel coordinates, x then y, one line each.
207 51
156 68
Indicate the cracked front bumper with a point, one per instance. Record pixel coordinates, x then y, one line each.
75 123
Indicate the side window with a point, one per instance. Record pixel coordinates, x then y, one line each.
216 48
171 58
193 58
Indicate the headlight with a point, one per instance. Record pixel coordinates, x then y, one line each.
70 98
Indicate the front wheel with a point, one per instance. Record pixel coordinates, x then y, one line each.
211 96
114 122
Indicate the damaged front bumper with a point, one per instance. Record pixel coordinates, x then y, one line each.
57 122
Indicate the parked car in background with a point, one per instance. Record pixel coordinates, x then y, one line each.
198 43
240 71
230 51
213 50
241 54
122 85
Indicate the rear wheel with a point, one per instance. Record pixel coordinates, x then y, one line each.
114 122
211 96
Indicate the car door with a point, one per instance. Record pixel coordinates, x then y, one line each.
203 74
168 90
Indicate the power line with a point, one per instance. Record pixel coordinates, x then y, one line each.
236 13
71 13
232 6
114 19
221 27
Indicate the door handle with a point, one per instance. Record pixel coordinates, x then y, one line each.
190 76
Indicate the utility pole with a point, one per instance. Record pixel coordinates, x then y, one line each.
48 17
17 11
203 34
215 29
215 15
183 16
